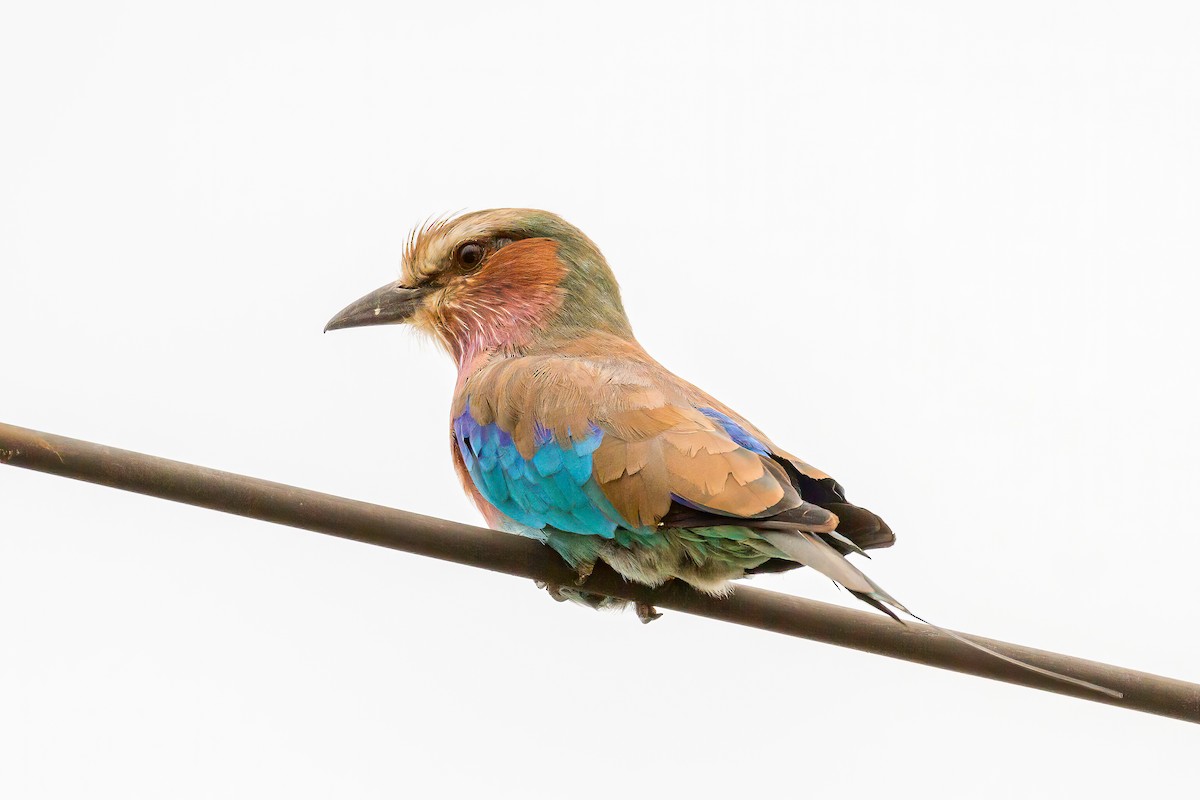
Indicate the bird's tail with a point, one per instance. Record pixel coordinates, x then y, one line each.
811 550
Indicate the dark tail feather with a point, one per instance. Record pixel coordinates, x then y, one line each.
864 528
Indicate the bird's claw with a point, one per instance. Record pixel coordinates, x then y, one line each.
583 571
646 612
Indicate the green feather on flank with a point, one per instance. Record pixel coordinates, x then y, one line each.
630 539
731 545
731 549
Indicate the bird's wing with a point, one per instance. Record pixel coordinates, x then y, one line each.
589 444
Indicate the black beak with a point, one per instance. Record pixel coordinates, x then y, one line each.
387 305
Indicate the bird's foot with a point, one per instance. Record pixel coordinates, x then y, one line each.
646 612
552 589
590 599
584 571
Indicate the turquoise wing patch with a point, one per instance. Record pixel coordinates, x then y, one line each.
553 489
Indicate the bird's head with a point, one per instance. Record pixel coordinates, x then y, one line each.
494 279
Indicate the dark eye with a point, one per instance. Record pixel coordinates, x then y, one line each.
470 255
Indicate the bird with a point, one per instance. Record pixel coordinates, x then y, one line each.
564 429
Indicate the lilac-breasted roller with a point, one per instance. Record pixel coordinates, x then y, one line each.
564 429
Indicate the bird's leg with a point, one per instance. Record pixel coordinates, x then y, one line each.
584 571
646 612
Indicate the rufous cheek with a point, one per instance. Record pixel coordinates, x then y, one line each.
525 277
529 261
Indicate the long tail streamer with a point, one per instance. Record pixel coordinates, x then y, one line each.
809 549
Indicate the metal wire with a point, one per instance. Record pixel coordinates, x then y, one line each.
514 555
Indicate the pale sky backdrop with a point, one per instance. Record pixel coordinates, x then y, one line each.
946 251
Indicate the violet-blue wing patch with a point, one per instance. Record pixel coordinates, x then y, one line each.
736 432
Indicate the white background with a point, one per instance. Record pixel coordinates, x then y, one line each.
945 251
